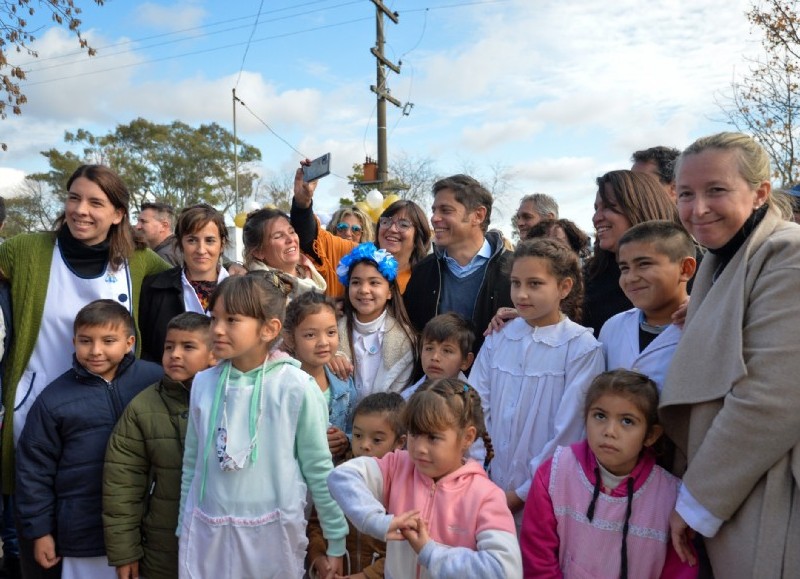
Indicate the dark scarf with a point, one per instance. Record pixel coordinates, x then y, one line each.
727 251
86 261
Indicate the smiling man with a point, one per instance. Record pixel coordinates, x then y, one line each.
465 273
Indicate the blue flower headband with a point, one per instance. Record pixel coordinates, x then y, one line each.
383 260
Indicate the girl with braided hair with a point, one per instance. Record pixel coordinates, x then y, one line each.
600 508
438 511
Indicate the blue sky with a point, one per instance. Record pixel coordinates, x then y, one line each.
555 92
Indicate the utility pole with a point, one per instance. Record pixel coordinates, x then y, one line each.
380 89
235 157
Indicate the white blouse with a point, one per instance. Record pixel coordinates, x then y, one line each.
532 382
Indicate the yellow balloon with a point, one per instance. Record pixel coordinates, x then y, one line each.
390 199
270 206
375 213
240 219
363 206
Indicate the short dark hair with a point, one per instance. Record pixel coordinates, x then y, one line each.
469 192
450 326
103 313
664 157
192 219
389 403
667 237
636 387
164 210
190 322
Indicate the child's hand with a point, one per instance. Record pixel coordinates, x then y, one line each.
341 366
499 320
682 536
44 551
514 503
321 566
129 571
417 536
337 441
335 567
400 523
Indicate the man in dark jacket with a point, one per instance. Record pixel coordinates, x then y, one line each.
467 271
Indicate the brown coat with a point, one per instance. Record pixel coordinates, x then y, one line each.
731 403
365 554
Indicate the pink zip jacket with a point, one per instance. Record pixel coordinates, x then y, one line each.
568 533
472 531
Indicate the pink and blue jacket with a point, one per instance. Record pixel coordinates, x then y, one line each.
472 531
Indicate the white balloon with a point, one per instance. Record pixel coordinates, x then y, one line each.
253 206
375 199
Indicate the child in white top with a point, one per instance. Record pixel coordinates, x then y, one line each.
533 374
255 442
656 261
380 339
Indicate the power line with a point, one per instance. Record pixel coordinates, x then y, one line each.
192 29
195 52
246 48
159 44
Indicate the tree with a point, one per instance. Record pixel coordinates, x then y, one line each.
176 163
276 189
16 35
33 207
764 102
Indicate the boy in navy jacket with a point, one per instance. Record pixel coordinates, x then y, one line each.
61 450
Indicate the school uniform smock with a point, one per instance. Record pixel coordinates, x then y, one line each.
471 529
532 383
250 522
559 541
384 356
620 339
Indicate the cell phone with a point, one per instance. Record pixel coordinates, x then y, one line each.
319 167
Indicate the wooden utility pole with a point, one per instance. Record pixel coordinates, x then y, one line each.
380 88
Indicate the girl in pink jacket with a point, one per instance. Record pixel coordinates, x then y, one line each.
439 513
600 508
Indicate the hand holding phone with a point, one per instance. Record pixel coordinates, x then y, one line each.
318 168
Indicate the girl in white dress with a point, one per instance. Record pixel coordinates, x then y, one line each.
255 443
532 375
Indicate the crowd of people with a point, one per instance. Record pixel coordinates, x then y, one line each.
414 397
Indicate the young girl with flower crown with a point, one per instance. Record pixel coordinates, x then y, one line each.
255 442
532 375
380 339
440 514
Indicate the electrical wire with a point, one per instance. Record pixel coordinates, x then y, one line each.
195 52
249 40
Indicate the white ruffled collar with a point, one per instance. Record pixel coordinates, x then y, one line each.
553 335
366 328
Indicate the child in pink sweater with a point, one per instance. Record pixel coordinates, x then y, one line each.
600 508
439 513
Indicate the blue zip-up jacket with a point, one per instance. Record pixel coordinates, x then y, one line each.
61 452
343 402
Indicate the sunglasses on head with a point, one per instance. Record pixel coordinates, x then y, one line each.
344 227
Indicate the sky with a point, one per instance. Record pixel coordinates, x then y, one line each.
553 93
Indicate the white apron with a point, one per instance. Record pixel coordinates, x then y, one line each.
52 355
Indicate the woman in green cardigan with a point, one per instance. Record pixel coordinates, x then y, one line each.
90 255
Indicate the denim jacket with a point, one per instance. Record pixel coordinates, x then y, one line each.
343 402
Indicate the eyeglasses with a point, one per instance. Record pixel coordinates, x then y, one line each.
402 224
344 227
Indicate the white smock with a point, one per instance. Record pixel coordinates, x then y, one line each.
67 293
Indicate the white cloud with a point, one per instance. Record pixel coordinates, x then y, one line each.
10 179
179 16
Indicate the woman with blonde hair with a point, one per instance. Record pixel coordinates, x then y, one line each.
352 224
730 402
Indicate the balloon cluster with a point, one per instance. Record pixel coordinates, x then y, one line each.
376 204
241 217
